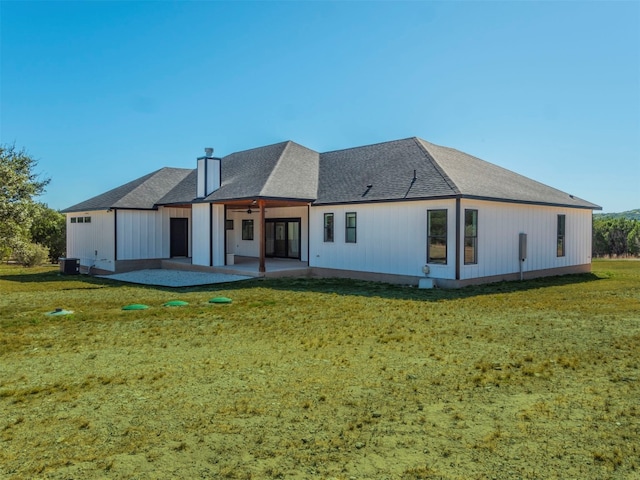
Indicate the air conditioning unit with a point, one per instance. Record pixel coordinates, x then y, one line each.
69 266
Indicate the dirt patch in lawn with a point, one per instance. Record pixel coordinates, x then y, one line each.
302 384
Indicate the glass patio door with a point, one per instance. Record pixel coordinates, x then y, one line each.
282 238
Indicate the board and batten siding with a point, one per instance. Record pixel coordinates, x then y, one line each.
92 242
499 227
391 238
200 234
207 232
144 234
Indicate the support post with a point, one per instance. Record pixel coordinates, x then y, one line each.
263 249
458 243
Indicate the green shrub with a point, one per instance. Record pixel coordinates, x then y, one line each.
31 254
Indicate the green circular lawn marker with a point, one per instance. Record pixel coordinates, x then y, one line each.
220 300
175 303
135 306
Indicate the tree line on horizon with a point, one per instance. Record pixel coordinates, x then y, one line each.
616 236
31 232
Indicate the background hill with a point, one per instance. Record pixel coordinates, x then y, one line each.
629 214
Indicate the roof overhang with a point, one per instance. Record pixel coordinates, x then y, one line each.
269 202
468 197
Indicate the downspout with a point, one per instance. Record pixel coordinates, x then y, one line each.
224 254
263 233
458 231
308 233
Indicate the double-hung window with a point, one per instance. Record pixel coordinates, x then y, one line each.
560 241
247 229
437 236
328 227
470 237
350 227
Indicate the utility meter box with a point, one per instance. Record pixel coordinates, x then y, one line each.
523 247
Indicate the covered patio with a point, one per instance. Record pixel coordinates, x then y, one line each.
246 266
269 261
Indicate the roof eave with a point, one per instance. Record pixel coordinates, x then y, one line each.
460 196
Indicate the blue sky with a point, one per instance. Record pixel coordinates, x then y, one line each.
104 92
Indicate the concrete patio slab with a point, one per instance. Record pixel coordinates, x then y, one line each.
174 278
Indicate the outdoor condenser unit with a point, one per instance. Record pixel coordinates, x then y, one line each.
70 266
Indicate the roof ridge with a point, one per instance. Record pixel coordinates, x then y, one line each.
436 165
368 145
271 173
257 148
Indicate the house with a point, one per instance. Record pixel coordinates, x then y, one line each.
398 211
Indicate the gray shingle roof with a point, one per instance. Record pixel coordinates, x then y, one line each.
184 192
389 169
408 169
480 179
439 172
143 193
283 170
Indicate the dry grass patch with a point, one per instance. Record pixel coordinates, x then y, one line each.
321 379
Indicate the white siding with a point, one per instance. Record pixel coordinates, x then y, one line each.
235 244
144 234
217 217
92 242
203 233
200 233
213 175
391 238
208 176
200 178
499 226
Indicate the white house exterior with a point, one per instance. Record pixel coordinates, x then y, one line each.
389 211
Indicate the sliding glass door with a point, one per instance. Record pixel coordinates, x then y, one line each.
282 237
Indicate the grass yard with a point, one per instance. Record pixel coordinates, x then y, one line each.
328 379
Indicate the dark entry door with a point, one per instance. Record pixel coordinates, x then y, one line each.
283 238
179 237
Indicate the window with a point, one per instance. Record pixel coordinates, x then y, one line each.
328 227
560 245
437 236
87 219
247 229
470 237
229 224
350 227
80 219
73 219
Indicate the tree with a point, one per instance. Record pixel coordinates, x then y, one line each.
633 240
19 184
49 230
616 236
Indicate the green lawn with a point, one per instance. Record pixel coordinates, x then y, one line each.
308 378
